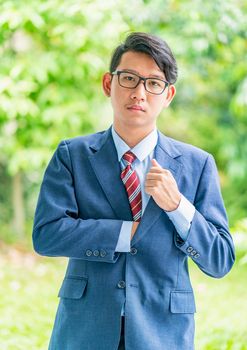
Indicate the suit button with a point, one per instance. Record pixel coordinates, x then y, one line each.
189 249
121 284
193 252
197 256
133 251
103 253
96 252
89 252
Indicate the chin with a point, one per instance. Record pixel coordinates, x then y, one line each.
138 124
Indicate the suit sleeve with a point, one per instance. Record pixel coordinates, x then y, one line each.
58 231
209 242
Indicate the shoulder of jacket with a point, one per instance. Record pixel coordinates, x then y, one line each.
82 142
189 150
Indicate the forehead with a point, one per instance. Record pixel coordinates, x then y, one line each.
140 63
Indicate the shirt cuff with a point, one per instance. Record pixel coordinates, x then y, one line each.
182 217
123 244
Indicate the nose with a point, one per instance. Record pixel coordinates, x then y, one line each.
139 93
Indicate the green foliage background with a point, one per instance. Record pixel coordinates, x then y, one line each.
53 54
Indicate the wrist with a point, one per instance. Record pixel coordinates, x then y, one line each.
176 202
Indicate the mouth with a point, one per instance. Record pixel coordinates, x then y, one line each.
136 108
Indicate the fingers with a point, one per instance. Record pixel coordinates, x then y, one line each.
155 163
150 184
153 176
157 171
134 228
157 168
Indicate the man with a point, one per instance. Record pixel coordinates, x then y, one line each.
128 206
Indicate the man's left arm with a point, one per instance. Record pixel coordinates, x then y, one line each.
208 241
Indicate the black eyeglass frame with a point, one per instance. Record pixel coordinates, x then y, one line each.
118 72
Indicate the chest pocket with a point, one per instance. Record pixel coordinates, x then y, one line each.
73 287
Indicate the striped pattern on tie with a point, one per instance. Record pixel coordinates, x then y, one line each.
132 186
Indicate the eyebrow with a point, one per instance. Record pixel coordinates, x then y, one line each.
151 76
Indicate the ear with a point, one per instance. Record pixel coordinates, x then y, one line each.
170 95
106 84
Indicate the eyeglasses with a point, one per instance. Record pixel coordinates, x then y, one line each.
131 81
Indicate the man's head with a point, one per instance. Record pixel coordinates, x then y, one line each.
137 102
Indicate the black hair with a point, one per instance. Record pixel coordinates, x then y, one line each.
151 45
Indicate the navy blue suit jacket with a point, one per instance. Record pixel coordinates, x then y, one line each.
80 210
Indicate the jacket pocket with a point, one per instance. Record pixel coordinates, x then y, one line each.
182 302
73 287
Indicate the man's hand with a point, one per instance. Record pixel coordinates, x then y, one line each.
134 228
161 185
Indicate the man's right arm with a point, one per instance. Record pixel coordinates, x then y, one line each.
58 231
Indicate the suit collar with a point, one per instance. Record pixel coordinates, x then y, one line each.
168 146
99 141
165 143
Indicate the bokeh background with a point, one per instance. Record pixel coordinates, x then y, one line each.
52 57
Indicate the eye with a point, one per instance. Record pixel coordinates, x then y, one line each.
129 78
155 83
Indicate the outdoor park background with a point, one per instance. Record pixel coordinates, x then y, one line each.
52 56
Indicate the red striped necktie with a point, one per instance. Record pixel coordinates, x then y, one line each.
132 186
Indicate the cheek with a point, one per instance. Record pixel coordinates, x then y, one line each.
119 98
114 98
115 101
156 106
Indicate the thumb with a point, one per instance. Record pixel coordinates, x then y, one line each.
155 163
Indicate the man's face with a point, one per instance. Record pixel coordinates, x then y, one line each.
127 102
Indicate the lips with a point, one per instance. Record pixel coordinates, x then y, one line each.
136 108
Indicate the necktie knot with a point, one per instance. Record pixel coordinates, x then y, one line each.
129 157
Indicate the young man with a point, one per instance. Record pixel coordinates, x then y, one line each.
129 206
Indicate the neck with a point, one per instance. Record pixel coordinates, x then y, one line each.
132 136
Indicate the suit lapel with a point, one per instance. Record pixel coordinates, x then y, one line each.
165 154
107 170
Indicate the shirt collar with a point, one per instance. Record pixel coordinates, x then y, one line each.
141 150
